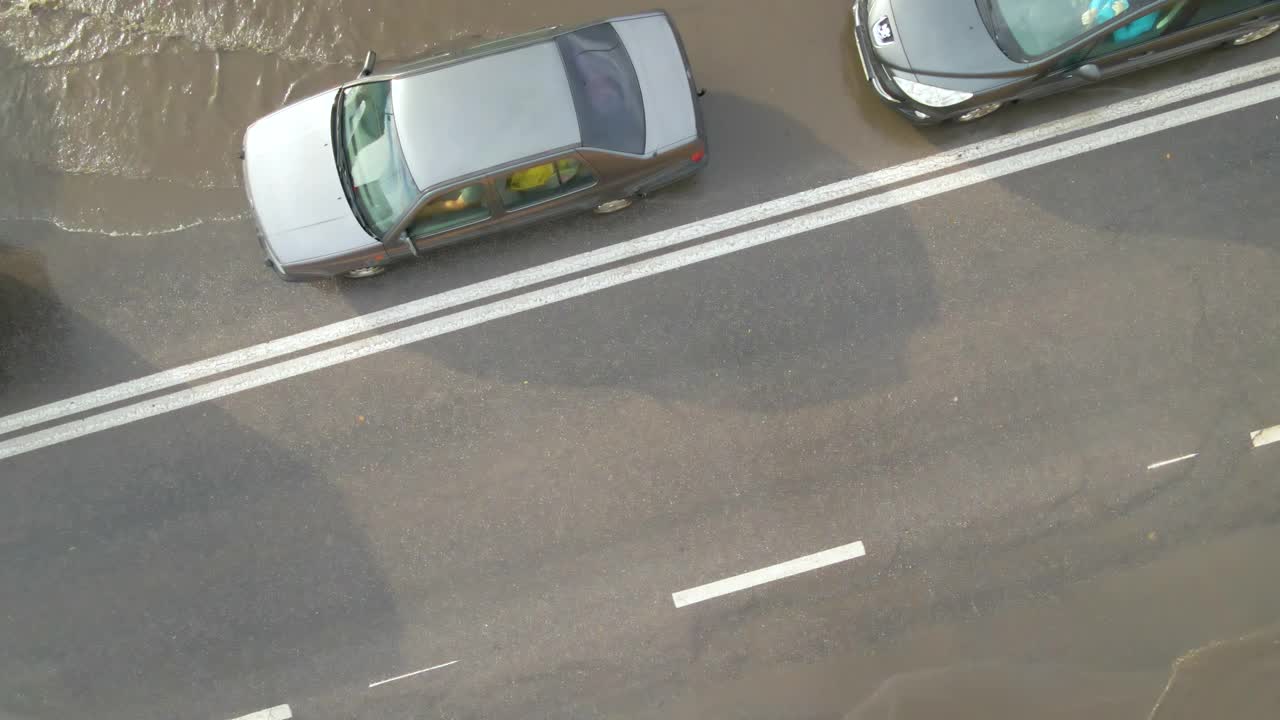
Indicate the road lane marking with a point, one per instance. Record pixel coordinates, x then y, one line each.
1174 461
409 675
512 282
769 574
1265 437
640 269
279 712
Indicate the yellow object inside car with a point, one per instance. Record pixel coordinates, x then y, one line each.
540 176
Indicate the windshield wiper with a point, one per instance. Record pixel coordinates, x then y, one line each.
991 18
339 152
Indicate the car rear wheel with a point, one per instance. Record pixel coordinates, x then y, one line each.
1254 36
979 112
365 272
613 206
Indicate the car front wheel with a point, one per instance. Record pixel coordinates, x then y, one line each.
1254 36
613 206
979 112
365 272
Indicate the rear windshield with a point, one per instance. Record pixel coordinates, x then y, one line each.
605 89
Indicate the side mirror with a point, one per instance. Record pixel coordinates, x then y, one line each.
404 238
1089 72
369 60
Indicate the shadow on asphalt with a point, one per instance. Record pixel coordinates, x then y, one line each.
33 326
196 560
1199 182
1196 177
794 323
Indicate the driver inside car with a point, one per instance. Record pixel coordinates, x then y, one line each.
1101 11
469 197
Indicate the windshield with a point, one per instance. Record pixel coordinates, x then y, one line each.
370 158
1031 28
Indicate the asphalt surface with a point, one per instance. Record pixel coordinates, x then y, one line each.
973 385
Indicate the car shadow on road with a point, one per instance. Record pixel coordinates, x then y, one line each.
161 568
1211 180
800 321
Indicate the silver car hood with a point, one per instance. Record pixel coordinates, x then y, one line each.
942 35
294 187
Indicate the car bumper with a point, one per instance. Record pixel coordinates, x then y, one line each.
270 259
879 79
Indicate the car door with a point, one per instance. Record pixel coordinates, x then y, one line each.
466 46
549 187
456 213
1181 29
1118 52
1184 28
1225 19
510 41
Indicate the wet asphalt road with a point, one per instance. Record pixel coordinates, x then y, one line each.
973 385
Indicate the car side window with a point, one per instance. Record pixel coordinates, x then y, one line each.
1144 29
450 209
1210 10
545 181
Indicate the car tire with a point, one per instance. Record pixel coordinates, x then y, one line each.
1256 34
613 206
365 272
979 112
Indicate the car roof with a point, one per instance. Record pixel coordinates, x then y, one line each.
463 118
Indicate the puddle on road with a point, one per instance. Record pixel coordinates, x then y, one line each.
134 91
1189 635
1234 680
104 99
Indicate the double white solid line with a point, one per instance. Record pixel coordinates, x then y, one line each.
666 239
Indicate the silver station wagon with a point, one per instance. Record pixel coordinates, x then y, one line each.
457 145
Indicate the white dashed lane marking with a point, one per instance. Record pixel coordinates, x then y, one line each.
409 675
769 574
1176 460
1265 437
279 712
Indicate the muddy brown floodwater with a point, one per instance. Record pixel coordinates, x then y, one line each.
130 112
124 116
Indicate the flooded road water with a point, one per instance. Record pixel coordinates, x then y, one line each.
132 111
125 116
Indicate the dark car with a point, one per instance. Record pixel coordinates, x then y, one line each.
937 60
453 146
